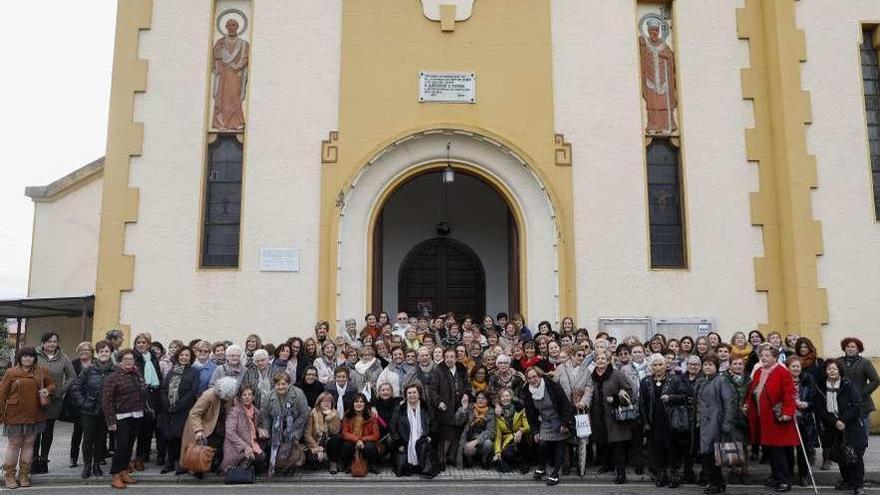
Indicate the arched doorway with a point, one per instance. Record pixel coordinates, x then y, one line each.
440 275
443 246
351 251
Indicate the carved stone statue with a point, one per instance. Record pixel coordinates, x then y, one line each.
230 79
658 79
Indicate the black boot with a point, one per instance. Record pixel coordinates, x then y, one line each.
96 469
662 479
621 477
168 467
675 479
40 466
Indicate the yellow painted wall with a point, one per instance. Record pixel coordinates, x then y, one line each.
385 45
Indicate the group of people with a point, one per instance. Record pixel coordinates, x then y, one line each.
418 394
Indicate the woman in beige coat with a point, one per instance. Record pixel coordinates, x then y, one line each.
322 434
206 420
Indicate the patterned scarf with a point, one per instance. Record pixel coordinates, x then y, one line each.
480 413
174 384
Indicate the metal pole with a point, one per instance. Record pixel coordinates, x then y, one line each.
82 319
17 333
806 457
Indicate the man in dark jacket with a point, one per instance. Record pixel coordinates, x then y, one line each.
450 383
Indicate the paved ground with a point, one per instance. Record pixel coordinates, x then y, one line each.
364 488
492 482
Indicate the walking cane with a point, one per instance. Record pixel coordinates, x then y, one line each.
806 457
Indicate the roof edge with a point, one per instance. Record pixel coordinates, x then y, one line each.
65 184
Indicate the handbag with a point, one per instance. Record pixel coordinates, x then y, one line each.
679 419
583 429
841 453
729 454
197 458
240 475
45 399
358 465
69 411
626 414
289 456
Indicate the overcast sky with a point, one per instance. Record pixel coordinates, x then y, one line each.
55 86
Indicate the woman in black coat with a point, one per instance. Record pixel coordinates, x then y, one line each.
839 406
450 383
85 394
665 417
177 397
551 418
805 402
414 441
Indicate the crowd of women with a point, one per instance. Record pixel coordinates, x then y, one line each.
418 394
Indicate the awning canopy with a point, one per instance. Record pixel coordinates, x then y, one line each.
46 307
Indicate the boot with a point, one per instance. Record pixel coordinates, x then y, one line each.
39 466
661 480
126 478
621 477
96 469
137 464
117 481
24 474
9 476
87 467
675 479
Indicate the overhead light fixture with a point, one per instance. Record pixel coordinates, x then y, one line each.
448 172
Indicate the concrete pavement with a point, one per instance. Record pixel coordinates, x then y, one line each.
60 474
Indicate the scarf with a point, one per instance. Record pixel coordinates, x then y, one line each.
340 393
831 390
151 375
427 369
362 367
415 432
174 384
507 414
264 384
740 351
765 373
479 386
281 411
250 413
538 392
480 413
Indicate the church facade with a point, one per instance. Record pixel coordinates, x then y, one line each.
678 166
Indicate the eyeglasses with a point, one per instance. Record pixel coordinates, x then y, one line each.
580 354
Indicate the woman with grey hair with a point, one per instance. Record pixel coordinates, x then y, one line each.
350 333
259 377
231 368
206 422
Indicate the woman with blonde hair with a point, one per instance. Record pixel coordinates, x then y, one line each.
321 435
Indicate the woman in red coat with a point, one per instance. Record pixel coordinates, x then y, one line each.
770 406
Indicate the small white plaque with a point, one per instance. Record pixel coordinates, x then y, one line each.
447 87
279 260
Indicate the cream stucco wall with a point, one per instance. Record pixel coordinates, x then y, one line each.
64 254
850 267
597 96
293 104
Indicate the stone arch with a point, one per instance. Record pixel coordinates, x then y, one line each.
480 155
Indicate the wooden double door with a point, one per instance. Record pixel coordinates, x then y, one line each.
440 275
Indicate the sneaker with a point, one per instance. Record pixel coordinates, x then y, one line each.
551 481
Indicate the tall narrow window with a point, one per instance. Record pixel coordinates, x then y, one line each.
871 79
223 203
664 205
663 139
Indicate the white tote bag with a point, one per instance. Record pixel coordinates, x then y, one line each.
582 425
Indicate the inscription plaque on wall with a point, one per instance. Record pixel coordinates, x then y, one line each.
279 259
447 87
